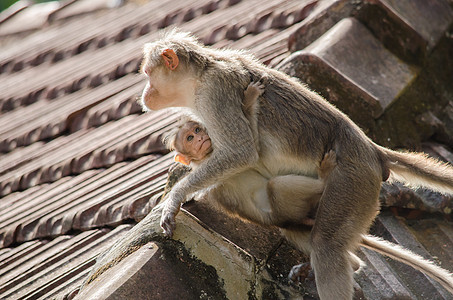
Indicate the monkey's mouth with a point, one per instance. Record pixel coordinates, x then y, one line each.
205 145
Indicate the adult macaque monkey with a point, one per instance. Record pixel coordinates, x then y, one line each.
296 127
282 201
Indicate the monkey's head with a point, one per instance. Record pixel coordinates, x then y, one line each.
190 141
172 66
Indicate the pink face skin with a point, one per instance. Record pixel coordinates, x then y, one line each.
193 141
168 84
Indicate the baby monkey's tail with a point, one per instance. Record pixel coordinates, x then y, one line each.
417 169
403 255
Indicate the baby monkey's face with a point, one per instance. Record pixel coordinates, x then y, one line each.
194 141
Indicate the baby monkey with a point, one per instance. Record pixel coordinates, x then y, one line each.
284 201
192 143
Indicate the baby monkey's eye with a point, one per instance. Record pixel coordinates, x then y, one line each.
197 130
189 138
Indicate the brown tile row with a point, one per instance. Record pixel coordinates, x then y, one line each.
114 107
89 69
95 198
50 269
36 125
266 16
130 137
31 123
28 19
72 37
13 10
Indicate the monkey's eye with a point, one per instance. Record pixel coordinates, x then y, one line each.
190 138
197 130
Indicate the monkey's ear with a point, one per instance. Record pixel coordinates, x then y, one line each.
181 158
170 58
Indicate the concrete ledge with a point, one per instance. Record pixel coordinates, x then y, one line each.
411 29
354 61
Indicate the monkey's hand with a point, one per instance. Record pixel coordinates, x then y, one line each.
169 212
254 90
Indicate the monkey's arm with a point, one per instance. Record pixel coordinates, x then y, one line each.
175 173
233 149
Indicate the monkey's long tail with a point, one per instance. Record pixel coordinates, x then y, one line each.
417 169
444 277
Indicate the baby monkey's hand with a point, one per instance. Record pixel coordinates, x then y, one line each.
254 89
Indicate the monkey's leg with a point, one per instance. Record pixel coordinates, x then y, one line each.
300 237
345 212
302 271
293 197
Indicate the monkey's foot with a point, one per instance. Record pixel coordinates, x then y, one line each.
308 221
301 273
327 164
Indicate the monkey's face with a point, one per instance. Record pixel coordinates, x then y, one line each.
162 89
169 84
194 141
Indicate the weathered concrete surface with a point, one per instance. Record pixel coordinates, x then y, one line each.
353 71
210 266
325 15
157 271
235 267
411 29
201 263
353 56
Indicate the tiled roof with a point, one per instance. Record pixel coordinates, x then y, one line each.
79 161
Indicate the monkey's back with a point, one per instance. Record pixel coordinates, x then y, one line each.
297 126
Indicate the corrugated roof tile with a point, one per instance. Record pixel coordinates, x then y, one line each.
56 267
377 278
28 19
62 40
129 137
92 199
32 123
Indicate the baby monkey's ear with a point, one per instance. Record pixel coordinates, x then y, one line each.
181 158
170 58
